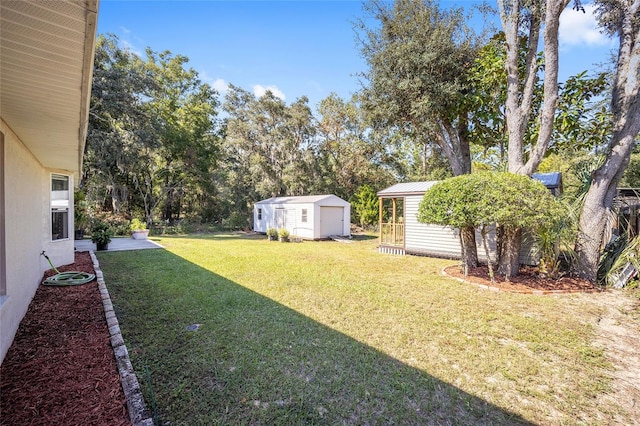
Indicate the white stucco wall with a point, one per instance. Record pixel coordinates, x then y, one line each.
27 233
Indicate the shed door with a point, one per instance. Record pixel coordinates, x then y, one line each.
331 221
281 218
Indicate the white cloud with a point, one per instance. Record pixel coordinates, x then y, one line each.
221 86
578 28
260 90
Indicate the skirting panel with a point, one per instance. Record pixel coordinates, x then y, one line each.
392 250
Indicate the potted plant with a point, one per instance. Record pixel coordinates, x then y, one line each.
272 234
101 234
139 229
284 235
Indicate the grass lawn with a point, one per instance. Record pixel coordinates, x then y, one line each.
332 333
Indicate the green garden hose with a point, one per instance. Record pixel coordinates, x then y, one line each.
66 278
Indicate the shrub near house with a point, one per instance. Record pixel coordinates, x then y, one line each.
513 202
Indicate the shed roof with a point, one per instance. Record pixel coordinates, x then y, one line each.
304 199
550 180
408 188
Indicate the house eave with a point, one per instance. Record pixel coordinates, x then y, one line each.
47 51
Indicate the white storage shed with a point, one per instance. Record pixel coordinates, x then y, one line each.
402 233
312 217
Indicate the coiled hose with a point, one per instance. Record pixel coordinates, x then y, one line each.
66 278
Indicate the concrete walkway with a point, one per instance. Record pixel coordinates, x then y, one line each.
118 244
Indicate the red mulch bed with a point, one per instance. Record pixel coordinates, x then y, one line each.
61 368
527 281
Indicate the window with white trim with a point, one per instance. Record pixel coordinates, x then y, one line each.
259 214
304 215
59 207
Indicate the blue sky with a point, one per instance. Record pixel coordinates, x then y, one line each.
294 48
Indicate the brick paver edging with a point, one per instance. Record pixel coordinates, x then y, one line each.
536 292
138 412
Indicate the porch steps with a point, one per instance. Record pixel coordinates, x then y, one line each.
391 250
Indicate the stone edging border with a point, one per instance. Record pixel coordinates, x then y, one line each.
535 292
138 413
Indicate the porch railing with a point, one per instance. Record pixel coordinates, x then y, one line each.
392 234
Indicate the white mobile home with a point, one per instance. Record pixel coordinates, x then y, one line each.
311 217
45 84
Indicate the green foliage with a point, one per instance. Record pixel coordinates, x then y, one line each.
101 233
137 224
364 204
514 202
520 202
418 55
454 202
554 240
235 221
631 177
268 148
283 234
615 257
116 222
344 154
581 123
488 95
584 170
272 233
151 142
80 210
487 198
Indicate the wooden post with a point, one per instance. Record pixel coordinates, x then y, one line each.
393 222
380 200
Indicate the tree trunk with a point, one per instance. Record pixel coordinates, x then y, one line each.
509 257
597 206
469 249
591 228
550 86
519 100
625 107
168 208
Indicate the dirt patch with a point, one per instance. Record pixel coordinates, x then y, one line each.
617 329
527 281
61 368
618 332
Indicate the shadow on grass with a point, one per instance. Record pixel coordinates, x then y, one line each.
363 237
254 361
